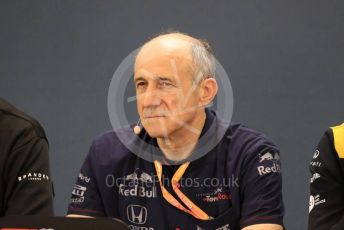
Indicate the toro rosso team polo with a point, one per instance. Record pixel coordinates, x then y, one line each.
238 183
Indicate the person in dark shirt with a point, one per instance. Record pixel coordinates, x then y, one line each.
326 203
25 182
186 168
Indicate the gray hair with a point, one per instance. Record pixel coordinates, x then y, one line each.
204 60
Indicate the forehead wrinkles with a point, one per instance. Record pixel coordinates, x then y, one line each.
164 65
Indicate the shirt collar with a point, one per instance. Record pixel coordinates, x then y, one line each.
208 126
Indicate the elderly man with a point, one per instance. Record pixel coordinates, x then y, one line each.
174 76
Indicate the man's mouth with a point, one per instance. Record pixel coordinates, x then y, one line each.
153 116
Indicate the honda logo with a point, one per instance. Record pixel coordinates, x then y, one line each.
137 214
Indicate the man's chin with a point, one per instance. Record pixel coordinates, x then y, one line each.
154 133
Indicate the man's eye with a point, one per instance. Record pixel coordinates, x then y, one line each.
140 84
165 84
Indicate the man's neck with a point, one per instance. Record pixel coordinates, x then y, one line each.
181 144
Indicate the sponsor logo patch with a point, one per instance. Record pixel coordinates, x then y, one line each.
84 178
33 176
138 184
79 194
267 168
314 177
137 215
215 196
315 201
316 154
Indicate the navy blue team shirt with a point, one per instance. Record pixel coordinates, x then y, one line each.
238 183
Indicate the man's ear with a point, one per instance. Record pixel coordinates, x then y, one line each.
208 91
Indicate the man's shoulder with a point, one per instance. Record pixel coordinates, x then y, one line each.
112 137
14 121
249 140
338 139
110 146
245 133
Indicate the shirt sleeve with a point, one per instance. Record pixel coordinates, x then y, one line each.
29 189
326 203
86 198
261 186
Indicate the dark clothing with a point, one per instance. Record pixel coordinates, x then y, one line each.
238 183
25 183
326 204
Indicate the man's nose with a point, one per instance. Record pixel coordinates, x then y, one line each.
151 97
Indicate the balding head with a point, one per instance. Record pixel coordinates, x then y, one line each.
197 53
172 41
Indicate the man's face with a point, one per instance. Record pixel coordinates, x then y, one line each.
167 98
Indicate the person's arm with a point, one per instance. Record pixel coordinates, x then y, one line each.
28 189
86 200
261 188
326 204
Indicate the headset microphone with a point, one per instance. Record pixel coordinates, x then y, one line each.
137 128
